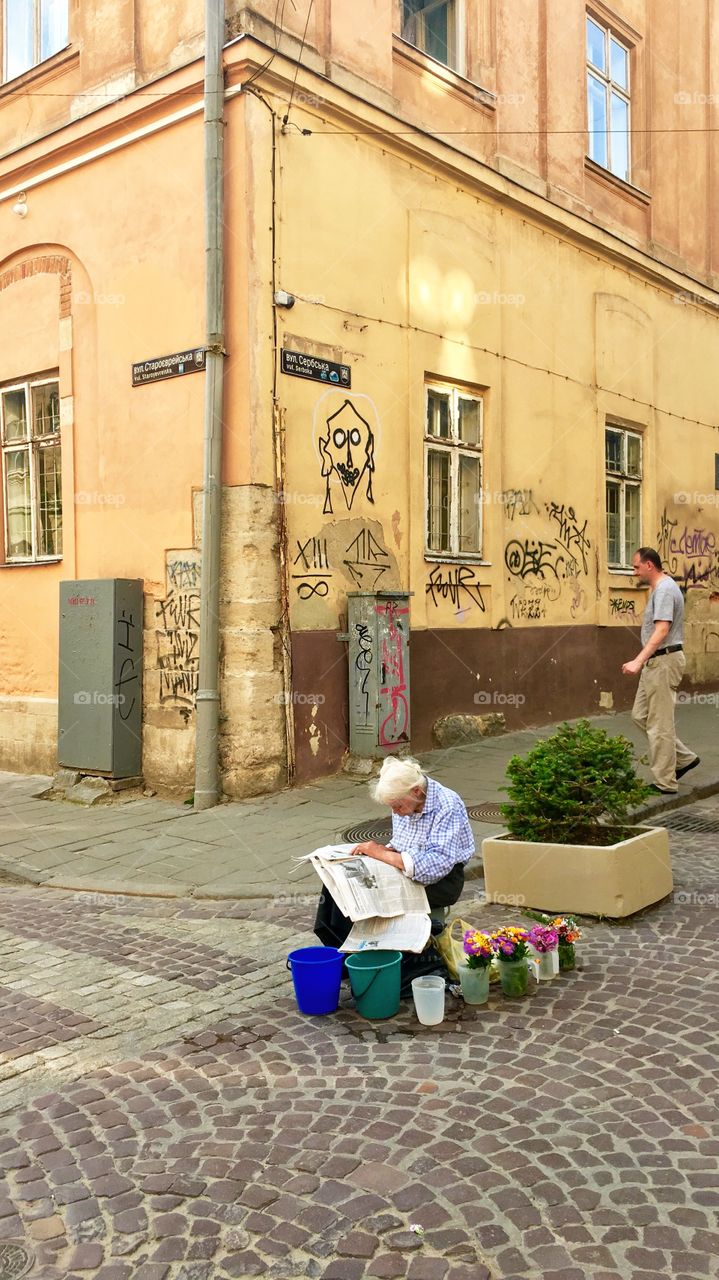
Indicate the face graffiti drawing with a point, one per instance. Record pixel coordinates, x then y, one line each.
347 450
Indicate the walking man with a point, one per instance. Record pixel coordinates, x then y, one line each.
660 667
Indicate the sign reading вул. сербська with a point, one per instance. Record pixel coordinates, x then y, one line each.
301 365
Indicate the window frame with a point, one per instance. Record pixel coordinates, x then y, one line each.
32 445
455 448
610 86
457 54
623 480
38 58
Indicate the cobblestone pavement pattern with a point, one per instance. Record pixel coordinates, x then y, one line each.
167 1113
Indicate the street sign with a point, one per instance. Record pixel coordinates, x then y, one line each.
192 361
301 365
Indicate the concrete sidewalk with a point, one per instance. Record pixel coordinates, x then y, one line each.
246 849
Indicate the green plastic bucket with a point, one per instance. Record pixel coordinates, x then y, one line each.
375 982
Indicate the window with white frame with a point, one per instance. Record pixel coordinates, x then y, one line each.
31 473
32 30
623 465
432 26
453 462
608 104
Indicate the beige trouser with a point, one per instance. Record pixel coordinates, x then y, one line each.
653 711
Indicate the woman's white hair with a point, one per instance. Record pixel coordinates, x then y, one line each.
396 779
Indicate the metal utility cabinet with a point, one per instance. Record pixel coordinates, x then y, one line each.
100 685
379 689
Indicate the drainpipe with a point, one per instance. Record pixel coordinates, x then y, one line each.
207 788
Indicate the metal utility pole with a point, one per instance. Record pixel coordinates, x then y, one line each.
207 788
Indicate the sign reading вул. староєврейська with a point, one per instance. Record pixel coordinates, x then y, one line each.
161 367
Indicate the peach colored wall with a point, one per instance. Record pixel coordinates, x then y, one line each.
532 56
132 226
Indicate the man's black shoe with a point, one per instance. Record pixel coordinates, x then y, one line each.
661 791
687 767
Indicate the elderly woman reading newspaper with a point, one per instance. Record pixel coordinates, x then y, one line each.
431 843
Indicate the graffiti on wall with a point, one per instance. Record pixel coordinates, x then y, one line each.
313 568
571 535
688 553
354 548
347 453
531 604
366 560
620 606
456 583
518 502
549 564
177 627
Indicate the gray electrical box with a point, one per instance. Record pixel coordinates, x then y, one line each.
100 685
379 696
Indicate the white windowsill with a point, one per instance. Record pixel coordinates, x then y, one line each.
453 79
29 564
432 558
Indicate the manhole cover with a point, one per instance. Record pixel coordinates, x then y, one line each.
15 1260
690 822
485 813
371 829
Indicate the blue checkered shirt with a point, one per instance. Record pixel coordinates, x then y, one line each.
437 838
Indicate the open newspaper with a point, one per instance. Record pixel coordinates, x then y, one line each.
388 909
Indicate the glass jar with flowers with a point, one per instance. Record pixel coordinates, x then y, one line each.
511 948
543 949
568 933
474 974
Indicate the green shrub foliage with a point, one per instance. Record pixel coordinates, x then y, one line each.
571 786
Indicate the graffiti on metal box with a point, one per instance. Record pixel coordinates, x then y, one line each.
394 705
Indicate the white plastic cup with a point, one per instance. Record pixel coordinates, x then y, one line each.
428 996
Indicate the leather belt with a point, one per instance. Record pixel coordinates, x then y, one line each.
671 648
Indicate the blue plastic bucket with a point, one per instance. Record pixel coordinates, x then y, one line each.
316 976
375 982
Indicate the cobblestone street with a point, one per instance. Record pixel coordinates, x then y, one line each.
168 1113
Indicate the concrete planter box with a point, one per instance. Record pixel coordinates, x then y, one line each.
612 880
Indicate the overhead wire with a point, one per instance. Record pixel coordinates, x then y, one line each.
286 117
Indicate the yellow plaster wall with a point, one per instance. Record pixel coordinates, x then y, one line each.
404 277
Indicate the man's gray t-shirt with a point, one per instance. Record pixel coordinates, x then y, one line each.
665 604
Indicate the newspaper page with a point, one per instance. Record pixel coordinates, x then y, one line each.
365 887
409 932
